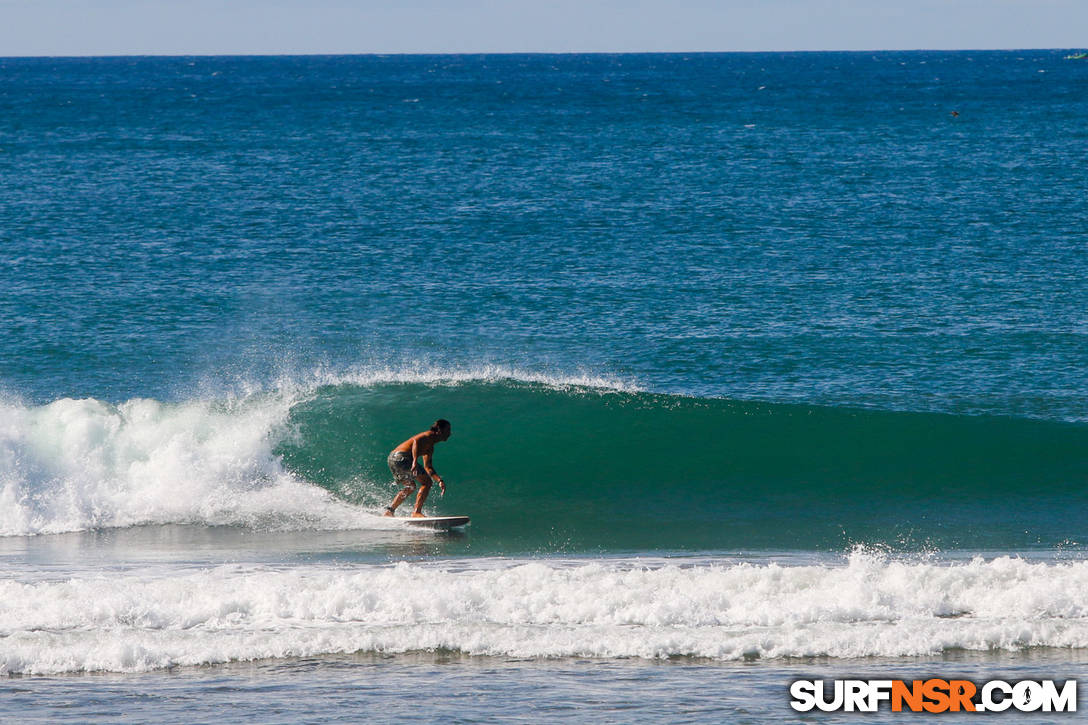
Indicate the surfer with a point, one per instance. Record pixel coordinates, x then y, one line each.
404 463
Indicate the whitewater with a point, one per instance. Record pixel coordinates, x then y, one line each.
78 464
866 606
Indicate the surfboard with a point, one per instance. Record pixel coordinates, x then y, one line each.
442 523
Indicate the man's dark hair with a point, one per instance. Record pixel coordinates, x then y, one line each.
440 425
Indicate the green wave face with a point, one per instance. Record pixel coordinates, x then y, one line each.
549 469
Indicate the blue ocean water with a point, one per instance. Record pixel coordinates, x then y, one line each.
774 359
809 227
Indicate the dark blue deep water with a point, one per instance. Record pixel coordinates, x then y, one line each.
813 227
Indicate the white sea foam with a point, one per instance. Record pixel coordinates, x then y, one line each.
79 464
870 607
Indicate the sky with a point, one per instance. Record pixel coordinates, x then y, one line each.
214 27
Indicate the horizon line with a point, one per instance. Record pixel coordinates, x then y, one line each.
525 52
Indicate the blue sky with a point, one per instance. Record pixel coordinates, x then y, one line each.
122 27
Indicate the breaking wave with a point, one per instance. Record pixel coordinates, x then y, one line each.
599 464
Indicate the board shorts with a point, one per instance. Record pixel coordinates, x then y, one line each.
400 464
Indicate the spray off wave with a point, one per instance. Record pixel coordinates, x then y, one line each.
870 607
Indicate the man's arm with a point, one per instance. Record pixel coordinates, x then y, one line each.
429 467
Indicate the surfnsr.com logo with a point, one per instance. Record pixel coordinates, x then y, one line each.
934 695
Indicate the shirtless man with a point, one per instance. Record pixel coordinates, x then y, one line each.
404 463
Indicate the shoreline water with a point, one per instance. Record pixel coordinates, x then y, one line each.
425 686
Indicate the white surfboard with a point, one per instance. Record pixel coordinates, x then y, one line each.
443 523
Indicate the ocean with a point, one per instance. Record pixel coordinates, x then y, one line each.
761 367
